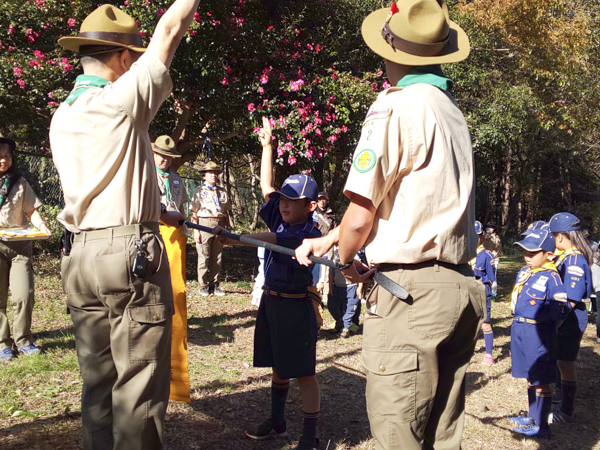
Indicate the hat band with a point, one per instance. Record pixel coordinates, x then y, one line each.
119 38
156 147
414 48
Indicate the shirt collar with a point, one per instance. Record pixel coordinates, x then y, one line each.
432 75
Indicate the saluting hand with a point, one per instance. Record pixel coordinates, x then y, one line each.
265 134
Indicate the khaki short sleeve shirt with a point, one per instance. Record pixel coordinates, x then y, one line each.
178 193
204 202
102 150
20 201
414 161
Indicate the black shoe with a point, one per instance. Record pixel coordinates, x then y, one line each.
218 292
306 443
267 430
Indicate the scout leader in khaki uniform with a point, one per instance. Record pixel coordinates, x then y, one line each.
172 191
411 188
17 203
210 205
116 275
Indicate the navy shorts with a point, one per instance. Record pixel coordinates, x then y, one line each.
531 352
285 336
570 334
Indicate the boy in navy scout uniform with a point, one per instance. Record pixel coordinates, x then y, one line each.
116 274
484 270
573 259
286 326
412 204
539 304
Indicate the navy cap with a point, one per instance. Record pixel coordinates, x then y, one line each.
298 186
535 226
538 240
563 222
478 227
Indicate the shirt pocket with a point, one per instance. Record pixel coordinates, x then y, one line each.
536 294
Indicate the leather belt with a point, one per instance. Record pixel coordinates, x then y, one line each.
124 230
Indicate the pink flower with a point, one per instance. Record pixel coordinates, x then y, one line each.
265 101
291 160
279 151
303 133
309 153
288 146
282 122
71 22
374 87
196 17
64 60
270 27
224 81
216 23
17 71
51 94
11 29
317 48
334 76
67 67
261 91
251 107
142 33
318 120
39 55
386 84
160 12
344 128
380 73
34 63
309 46
264 79
21 83
126 3
51 103
256 130
332 138
318 131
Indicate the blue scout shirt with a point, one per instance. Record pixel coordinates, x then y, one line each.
282 272
483 268
575 273
543 298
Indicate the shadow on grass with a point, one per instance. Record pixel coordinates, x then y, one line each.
240 263
62 339
58 432
219 421
214 330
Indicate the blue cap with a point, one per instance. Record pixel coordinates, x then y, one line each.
478 227
296 187
538 240
535 226
563 222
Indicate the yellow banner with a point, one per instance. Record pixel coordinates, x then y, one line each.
175 242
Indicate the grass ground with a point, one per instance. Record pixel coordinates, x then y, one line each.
39 396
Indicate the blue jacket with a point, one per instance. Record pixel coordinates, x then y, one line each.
483 268
543 297
576 276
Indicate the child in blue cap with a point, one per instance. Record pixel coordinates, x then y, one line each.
538 304
484 271
573 260
285 335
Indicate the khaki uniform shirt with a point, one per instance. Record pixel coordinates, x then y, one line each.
178 193
102 150
204 202
414 161
21 199
493 244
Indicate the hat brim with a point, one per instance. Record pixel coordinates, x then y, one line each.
525 246
456 50
275 194
73 43
162 151
210 170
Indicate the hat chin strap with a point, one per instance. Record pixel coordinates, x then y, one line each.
413 48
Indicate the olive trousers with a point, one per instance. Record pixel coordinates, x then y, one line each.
16 271
123 335
416 353
209 254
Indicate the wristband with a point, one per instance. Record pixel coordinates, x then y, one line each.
345 266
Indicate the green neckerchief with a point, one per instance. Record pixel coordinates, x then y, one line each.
432 75
165 175
82 84
3 189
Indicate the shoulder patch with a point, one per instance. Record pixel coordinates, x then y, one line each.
575 270
280 228
365 160
379 110
560 296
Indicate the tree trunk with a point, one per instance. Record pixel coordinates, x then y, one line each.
234 195
255 202
507 184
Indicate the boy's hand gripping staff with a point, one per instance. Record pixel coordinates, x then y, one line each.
383 281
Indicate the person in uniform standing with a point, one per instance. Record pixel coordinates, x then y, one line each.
116 273
493 243
172 191
412 204
210 205
18 202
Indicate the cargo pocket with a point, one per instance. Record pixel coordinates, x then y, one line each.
113 273
435 308
391 383
149 332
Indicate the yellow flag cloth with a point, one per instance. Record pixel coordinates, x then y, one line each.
523 277
479 250
175 242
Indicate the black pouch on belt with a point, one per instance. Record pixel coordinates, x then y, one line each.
66 241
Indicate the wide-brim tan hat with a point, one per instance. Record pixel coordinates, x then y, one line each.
211 166
108 26
416 33
165 145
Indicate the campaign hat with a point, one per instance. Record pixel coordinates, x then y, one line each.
564 221
539 240
535 226
298 186
416 33
165 145
211 166
106 26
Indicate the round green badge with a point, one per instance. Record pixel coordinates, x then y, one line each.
365 160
